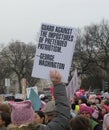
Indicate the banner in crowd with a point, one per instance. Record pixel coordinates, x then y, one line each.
72 86
54 51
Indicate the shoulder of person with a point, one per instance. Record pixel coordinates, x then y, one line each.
106 117
38 126
3 128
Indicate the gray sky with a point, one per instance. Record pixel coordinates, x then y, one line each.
21 19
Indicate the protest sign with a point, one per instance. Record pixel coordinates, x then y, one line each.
7 82
72 86
29 89
55 51
19 96
36 102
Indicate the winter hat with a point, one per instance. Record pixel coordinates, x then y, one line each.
49 107
83 99
84 107
78 94
106 108
22 112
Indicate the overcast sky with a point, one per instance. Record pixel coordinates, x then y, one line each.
21 19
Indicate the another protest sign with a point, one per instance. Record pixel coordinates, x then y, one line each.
36 102
72 86
29 89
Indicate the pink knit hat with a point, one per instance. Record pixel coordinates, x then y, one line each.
22 112
86 108
78 94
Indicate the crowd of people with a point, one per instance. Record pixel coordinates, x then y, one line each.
82 112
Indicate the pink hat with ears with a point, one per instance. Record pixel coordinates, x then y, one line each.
22 112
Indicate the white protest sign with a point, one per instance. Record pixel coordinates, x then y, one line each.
72 86
29 89
55 50
19 96
7 82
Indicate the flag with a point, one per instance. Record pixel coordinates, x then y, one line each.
52 92
88 94
72 86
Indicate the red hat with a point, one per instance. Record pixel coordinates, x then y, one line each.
106 108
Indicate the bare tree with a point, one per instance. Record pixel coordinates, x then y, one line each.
92 47
18 58
91 56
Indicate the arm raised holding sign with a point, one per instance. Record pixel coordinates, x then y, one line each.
61 121
22 114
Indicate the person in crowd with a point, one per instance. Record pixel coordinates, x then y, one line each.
74 104
82 100
102 103
80 123
97 100
106 121
74 107
22 115
87 111
5 120
5 107
104 110
106 102
39 117
107 128
92 98
49 111
106 94
96 114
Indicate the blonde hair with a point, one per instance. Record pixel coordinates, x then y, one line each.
23 127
